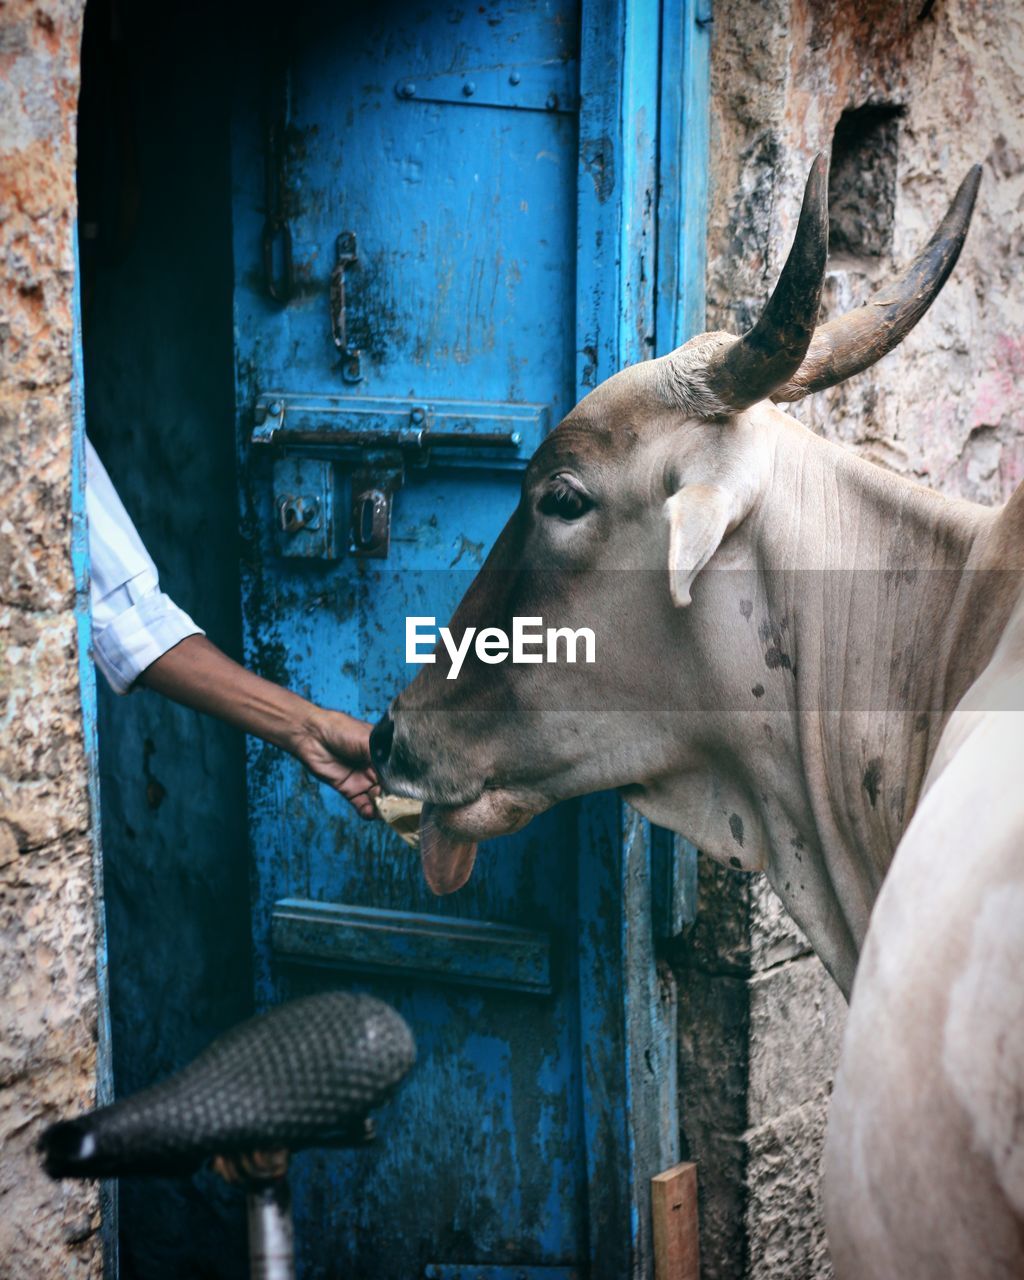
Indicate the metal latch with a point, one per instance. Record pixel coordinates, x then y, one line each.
373 488
345 256
303 504
475 433
376 439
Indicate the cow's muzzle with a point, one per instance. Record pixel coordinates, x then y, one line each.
406 768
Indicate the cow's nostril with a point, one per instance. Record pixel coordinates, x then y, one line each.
380 741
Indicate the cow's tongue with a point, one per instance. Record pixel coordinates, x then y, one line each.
447 862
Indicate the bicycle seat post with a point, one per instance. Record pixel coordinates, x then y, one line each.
271 1235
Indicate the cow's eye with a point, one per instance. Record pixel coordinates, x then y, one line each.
564 500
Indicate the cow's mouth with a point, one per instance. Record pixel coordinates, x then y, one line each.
449 834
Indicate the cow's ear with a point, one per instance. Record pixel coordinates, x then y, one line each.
699 517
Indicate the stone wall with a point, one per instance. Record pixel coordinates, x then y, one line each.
761 1020
48 1010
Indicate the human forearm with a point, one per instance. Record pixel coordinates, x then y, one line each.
332 745
199 675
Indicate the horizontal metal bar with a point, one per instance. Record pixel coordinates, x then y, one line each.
370 939
411 439
501 433
538 86
482 1271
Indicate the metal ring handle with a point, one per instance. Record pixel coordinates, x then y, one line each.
345 255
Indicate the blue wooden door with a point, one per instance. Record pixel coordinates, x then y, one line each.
409 325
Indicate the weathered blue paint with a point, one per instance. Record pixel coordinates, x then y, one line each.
507 256
462 291
673 883
640 276
683 170
87 689
683 164
412 943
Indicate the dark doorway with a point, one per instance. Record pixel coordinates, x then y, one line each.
154 231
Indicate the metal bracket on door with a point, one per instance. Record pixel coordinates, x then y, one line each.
468 952
498 435
378 439
345 256
304 508
373 487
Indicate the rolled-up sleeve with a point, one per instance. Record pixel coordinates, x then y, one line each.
133 621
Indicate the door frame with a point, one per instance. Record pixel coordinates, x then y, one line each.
641 236
82 572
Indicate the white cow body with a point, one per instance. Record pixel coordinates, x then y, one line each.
835 676
827 680
925 1154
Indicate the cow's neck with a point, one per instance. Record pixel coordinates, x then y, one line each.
851 663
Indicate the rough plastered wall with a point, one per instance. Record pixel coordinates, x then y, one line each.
762 1021
47 969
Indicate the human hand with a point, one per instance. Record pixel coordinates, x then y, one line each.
335 748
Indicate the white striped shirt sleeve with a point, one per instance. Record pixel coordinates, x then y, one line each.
133 622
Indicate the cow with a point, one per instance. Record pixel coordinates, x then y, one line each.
809 666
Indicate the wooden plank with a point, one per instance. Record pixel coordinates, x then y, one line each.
445 948
674 1211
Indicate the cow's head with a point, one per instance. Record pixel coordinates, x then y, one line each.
653 475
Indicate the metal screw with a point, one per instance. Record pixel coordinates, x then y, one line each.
552 102
417 416
514 78
517 438
469 88
407 89
274 408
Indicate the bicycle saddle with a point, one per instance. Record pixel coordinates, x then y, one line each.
304 1074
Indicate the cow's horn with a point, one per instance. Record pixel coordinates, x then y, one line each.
852 342
751 368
